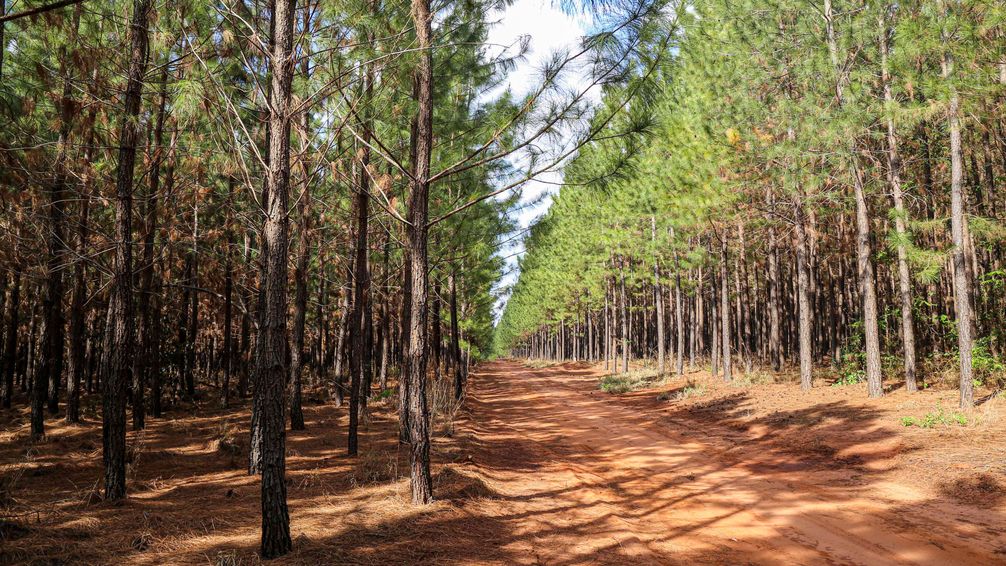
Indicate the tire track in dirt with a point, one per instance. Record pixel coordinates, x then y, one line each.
597 481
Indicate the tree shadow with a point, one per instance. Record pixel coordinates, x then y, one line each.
544 469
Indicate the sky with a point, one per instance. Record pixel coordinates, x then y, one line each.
549 30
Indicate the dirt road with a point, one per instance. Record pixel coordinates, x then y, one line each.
582 477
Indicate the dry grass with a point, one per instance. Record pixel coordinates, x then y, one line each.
375 465
444 407
634 380
540 364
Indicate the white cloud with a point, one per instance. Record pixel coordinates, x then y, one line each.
549 30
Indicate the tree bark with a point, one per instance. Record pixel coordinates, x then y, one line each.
414 369
900 215
10 348
270 353
228 353
459 379
49 378
385 317
725 312
958 228
193 306
145 363
658 299
803 296
116 362
774 298
625 321
864 263
303 257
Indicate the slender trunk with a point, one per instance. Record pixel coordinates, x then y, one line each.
436 340
144 363
385 318
900 216
658 299
715 319
608 365
459 384
3 44
361 278
303 257
867 288
679 314
414 370
774 298
10 348
47 383
340 347
193 306
228 354
245 342
270 356
803 296
116 362
625 321
679 323
864 263
725 312
958 229
299 306
323 339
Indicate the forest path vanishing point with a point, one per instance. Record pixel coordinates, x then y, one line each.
585 478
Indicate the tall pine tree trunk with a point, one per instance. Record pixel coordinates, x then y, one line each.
455 339
725 312
958 227
116 361
47 383
658 298
228 353
414 369
864 263
774 298
271 369
900 215
625 320
145 363
303 257
10 339
803 296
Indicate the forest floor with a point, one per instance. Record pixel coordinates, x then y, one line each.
541 467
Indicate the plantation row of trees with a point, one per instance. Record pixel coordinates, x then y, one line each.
203 201
815 181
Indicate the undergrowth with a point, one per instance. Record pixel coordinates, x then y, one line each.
631 381
937 417
753 378
692 389
539 364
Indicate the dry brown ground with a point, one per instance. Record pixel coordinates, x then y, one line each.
543 469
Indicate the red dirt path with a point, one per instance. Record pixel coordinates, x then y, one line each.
591 479
543 469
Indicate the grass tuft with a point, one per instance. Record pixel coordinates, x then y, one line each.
634 380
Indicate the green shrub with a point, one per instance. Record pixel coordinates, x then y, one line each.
615 384
937 417
849 377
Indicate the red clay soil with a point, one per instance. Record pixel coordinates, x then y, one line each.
543 468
